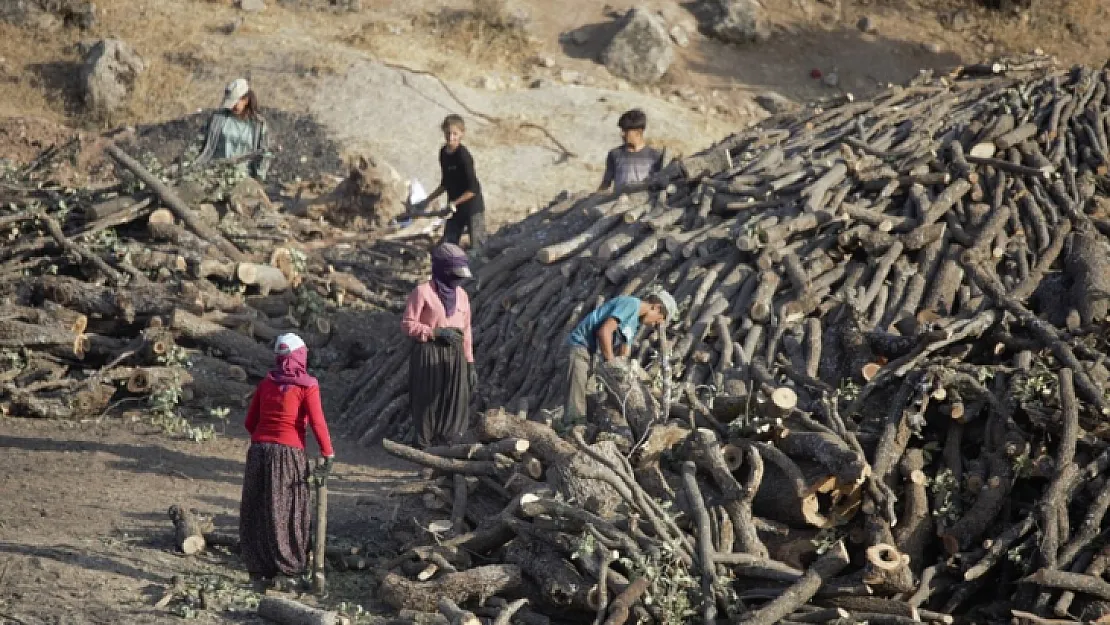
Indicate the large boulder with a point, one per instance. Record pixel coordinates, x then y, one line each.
641 50
109 73
739 21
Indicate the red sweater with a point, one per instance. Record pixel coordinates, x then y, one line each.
276 417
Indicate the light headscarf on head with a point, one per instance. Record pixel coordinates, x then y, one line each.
450 268
291 363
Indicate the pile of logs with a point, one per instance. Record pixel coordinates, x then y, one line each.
125 291
883 401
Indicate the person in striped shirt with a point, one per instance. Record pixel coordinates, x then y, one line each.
633 161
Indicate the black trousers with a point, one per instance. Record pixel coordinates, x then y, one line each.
439 393
472 223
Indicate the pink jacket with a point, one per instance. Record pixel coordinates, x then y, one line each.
424 313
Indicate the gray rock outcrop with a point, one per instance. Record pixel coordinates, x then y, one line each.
108 75
739 21
641 51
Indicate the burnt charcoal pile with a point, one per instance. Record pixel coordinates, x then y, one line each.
884 399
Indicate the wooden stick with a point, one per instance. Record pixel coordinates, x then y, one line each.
171 199
449 465
705 541
621 608
456 615
319 582
829 564
289 612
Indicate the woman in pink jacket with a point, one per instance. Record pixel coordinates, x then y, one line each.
441 369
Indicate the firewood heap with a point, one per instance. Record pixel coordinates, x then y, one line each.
127 292
884 400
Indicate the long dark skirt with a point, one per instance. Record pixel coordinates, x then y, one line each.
274 518
439 393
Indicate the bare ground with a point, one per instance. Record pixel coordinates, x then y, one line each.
84 536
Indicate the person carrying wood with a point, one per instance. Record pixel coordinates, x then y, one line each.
633 161
442 376
460 182
274 514
237 130
609 329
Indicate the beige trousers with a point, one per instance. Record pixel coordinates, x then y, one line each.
578 378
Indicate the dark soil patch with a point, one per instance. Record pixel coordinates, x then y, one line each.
302 148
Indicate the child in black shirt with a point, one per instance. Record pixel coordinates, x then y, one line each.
460 182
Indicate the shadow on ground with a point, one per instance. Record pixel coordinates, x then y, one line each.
66 554
62 79
152 459
863 62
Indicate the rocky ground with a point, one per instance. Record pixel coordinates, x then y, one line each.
83 532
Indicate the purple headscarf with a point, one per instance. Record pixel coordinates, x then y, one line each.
447 260
291 363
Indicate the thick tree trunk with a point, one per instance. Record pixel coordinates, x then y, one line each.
482 581
289 612
232 345
560 585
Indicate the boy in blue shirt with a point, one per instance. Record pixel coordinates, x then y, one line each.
610 329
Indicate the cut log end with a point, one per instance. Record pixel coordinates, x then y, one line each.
192 545
870 370
139 382
161 216
442 526
811 511
428 572
734 457
783 401
886 557
267 278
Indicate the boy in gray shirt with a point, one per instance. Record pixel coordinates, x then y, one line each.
632 162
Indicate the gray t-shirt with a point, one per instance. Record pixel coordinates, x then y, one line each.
624 167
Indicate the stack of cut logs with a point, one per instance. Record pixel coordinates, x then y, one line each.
125 291
883 401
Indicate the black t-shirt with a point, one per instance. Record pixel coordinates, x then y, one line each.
459 177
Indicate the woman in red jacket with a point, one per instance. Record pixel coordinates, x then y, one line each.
274 518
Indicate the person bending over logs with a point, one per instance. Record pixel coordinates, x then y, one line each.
274 517
441 370
238 130
610 329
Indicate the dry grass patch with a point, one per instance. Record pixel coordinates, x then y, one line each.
487 34
1075 31
40 72
173 50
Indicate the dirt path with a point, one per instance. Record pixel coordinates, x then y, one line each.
84 536
521 169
